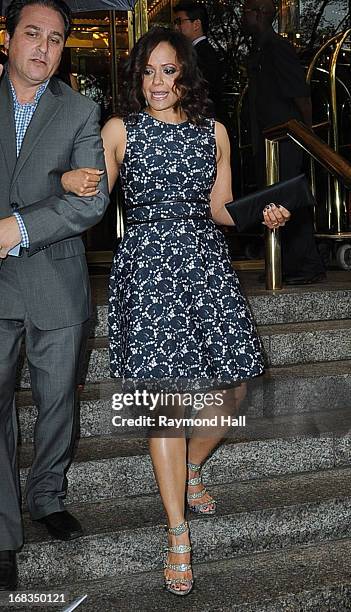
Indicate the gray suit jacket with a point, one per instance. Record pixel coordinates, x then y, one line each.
51 277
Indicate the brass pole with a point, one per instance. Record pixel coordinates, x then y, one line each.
329 202
272 237
131 29
138 22
114 59
144 20
318 54
114 93
289 18
339 204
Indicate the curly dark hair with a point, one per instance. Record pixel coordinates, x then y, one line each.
192 89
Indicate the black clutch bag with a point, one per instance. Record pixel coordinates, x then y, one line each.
292 194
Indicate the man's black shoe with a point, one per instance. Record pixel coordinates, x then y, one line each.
62 525
305 280
8 570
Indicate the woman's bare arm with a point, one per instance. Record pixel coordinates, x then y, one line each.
85 181
273 216
222 189
114 137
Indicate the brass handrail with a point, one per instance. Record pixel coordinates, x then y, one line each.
322 153
314 146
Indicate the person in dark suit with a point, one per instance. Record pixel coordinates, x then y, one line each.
191 19
278 92
44 283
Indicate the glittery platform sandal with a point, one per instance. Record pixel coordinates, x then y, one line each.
208 507
173 584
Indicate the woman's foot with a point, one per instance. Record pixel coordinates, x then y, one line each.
199 500
178 573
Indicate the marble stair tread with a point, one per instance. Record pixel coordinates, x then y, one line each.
133 542
234 499
305 326
92 391
337 280
314 424
331 368
305 578
286 344
265 330
269 330
289 344
284 307
309 579
104 389
298 389
273 309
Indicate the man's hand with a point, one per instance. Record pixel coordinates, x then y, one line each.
10 235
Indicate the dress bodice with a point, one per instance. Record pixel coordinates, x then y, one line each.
168 169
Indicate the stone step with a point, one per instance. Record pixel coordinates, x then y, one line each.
285 390
301 579
265 447
329 300
126 535
289 344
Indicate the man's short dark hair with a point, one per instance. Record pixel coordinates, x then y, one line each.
194 10
13 13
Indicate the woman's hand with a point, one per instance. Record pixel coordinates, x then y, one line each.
82 182
275 215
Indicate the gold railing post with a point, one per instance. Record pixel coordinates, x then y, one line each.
137 22
114 59
272 237
339 208
336 203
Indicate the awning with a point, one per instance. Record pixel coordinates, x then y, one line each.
77 6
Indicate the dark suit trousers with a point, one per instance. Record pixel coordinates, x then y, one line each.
53 359
300 255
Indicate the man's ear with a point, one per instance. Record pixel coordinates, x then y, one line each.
197 25
7 40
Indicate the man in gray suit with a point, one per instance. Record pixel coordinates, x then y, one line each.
46 129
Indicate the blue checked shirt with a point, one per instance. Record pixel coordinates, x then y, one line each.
23 114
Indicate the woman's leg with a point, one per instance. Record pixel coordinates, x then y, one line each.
168 457
200 444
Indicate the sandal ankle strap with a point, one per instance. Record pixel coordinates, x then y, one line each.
178 567
194 467
194 481
179 549
179 529
198 494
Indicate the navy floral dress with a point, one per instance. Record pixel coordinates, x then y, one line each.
175 307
